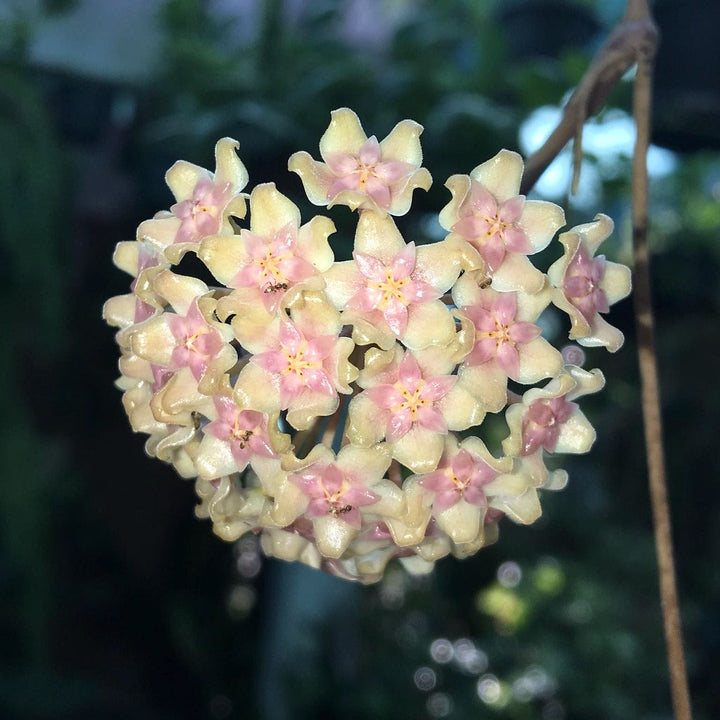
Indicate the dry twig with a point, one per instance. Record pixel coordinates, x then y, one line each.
616 56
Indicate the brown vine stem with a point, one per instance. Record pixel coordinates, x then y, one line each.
642 104
633 41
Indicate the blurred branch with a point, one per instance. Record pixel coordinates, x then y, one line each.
616 56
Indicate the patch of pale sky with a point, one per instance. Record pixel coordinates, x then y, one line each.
609 139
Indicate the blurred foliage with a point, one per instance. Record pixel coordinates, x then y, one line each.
117 603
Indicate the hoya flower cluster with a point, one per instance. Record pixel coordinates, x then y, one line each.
334 407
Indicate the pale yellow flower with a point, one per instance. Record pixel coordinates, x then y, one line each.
503 227
205 202
361 172
586 286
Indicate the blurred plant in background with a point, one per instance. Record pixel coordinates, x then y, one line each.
115 602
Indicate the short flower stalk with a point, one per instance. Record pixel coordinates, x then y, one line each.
334 407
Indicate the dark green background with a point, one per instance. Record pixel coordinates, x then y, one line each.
115 602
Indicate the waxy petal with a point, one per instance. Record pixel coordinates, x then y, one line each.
396 316
505 308
500 175
409 373
370 266
431 418
508 359
511 210
274 361
398 424
437 387
384 396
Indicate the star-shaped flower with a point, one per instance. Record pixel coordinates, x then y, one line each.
587 285
471 488
488 213
411 400
506 340
196 341
201 214
361 172
390 290
548 419
187 341
270 258
461 477
205 202
332 490
301 364
235 437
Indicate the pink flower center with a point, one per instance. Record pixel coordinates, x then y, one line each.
245 430
392 288
492 227
582 284
197 342
542 422
333 492
274 267
300 363
412 399
463 477
366 172
201 215
497 333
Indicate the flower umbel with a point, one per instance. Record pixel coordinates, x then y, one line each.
318 403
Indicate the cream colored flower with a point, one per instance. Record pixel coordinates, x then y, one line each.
506 341
548 419
391 290
273 256
469 484
502 226
189 343
205 202
237 437
301 364
361 172
411 401
586 286
333 492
